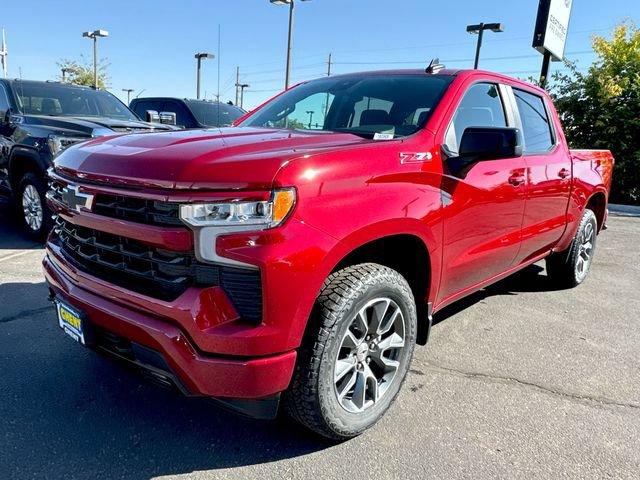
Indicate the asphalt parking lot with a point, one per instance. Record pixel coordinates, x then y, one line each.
518 381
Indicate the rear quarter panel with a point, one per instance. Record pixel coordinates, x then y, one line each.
592 174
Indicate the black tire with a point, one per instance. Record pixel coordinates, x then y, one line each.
569 268
312 399
36 185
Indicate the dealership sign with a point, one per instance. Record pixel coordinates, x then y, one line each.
552 24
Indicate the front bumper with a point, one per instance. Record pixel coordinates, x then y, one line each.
196 372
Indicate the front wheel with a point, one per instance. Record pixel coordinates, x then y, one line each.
569 268
32 207
356 353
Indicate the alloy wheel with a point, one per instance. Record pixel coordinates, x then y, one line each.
369 356
32 208
585 250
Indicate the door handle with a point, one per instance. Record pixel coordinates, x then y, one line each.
564 173
516 179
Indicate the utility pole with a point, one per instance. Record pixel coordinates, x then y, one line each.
237 86
4 53
218 89
94 36
479 29
128 90
242 87
326 102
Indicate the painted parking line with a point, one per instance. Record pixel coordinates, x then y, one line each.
14 255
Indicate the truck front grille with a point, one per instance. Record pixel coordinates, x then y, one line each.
140 210
155 272
137 209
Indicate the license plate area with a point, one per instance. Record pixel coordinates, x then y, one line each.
73 322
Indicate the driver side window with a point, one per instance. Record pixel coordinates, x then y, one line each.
481 106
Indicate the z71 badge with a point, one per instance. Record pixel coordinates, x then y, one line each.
411 157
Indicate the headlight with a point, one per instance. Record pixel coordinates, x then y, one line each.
264 214
57 144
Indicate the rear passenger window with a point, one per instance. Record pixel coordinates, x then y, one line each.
481 106
536 127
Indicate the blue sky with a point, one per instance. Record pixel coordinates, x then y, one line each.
152 43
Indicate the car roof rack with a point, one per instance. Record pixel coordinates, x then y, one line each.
434 66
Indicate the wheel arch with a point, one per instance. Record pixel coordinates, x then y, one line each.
597 202
406 251
24 160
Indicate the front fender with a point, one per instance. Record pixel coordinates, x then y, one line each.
429 234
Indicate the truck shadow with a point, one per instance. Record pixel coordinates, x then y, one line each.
529 279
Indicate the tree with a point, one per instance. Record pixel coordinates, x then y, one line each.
601 108
81 73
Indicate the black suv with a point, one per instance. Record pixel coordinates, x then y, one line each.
188 113
40 119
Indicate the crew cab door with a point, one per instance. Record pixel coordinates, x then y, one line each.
549 174
483 208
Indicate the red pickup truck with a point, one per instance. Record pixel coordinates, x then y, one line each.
298 257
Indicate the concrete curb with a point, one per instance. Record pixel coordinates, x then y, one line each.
624 210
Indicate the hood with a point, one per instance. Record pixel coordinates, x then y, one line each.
90 125
214 159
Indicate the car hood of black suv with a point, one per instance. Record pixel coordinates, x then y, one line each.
91 125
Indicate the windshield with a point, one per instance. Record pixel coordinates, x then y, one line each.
69 101
394 105
214 114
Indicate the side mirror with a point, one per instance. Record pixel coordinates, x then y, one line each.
168 118
485 143
152 116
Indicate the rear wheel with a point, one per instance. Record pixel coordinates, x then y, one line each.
570 268
357 351
32 207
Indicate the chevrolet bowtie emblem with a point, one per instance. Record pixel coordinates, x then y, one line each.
76 200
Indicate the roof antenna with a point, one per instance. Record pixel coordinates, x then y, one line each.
434 66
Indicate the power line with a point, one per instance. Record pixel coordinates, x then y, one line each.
411 62
300 67
457 44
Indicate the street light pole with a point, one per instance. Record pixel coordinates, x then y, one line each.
94 36
199 57
128 90
479 29
64 74
310 112
287 75
242 87
291 3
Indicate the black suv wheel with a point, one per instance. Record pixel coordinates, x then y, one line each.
32 207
